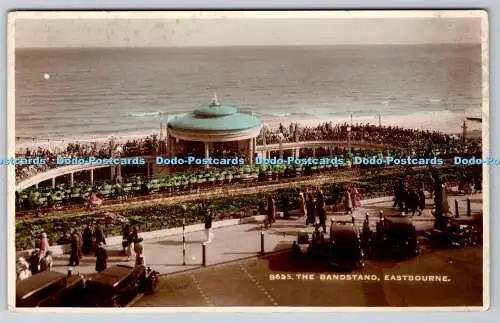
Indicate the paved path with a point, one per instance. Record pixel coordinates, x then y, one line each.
243 241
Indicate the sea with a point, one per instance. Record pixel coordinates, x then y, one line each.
65 95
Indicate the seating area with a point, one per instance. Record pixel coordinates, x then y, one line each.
63 195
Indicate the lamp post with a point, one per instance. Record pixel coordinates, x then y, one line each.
118 153
464 132
183 234
280 138
349 139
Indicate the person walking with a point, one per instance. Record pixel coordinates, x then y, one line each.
405 198
135 233
125 231
87 240
356 198
271 209
347 201
412 201
43 245
76 252
140 259
398 195
208 226
311 209
302 205
286 207
130 243
421 199
321 207
99 235
80 241
101 258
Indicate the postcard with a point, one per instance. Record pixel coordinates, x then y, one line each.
248 161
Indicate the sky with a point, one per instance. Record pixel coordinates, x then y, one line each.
47 30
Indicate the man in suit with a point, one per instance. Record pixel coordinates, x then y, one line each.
99 235
208 226
76 251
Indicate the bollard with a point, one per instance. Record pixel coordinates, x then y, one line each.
261 242
456 209
469 213
183 242
204 254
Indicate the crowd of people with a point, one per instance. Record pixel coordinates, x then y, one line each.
311 205
395 136
409 198
351 199
132 245
391 135
135 147
91 241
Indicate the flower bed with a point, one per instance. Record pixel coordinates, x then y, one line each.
169 216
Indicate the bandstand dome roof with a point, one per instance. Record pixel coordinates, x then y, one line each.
215 117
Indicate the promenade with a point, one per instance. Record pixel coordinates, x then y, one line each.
236 242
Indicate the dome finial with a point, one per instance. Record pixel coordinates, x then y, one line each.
215 101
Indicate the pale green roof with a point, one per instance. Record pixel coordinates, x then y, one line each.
215 117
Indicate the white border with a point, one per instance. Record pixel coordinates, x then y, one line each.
278 14
485 49
338 14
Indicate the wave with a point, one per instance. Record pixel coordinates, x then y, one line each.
143 114
280 114
435 100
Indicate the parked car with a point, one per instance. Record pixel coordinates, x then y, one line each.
118 285
341 249
396 236
49 289
345 250
454 235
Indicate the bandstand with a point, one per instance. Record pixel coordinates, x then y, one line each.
215 130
